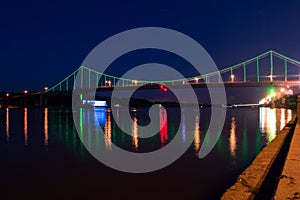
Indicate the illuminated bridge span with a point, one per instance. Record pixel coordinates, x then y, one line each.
270 68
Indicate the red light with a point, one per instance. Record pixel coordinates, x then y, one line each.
163 88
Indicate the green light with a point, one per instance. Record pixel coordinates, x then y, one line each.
272 92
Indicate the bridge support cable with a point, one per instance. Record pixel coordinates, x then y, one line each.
81 78
285 70
257 69
74 78
271 66
89 71
231 75
245 73
67 84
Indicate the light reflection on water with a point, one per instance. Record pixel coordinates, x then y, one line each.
7 124
233 138
197 136
51 134
163 126
25 127
272 120
135 140
107 130
46 128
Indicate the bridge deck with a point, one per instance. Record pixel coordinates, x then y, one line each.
203 85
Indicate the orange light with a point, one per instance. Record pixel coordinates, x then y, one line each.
108 82
7 94
232 77
45 88
25 91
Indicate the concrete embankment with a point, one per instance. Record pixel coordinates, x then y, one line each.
260 179
289 183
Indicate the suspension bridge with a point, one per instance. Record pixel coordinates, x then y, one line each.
270 68
267 69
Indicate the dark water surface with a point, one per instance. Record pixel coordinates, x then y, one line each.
42 157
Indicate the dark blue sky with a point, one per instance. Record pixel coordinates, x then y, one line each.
41 43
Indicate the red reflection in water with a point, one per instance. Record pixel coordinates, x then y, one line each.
163 126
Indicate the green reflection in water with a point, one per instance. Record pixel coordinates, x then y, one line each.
123 135
272 123
74 132
67 129
81 132
89 131
80 122
59 125
219 142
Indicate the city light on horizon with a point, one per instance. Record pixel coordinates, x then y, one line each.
274 94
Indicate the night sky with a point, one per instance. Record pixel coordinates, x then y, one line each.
41 43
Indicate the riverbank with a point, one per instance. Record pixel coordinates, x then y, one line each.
289 183
259 180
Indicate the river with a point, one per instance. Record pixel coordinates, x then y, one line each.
42 156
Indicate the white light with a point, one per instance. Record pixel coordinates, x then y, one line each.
108 82
95 103
263 101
